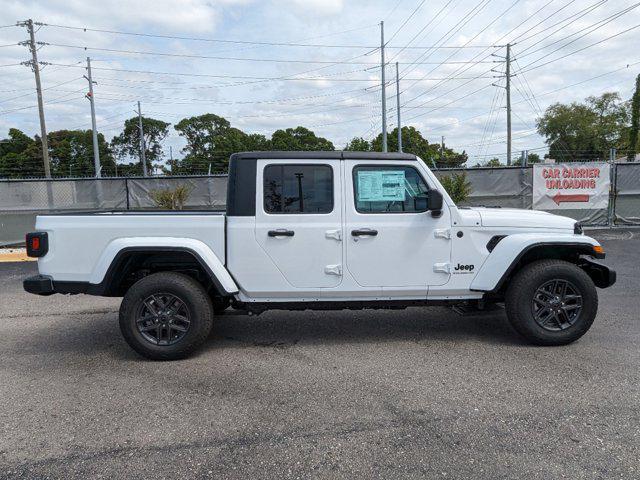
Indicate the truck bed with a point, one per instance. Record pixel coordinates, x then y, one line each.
78 241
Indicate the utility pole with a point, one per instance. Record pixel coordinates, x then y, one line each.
508 72
384 91
96 153
171 157
442 149
35 66
398 107
142 145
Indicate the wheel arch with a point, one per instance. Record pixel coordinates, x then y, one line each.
125 261
512 254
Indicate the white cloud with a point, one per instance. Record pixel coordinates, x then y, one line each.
446 108
311 8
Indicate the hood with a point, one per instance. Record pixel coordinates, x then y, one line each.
514 217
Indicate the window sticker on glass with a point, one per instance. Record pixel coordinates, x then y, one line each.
380 186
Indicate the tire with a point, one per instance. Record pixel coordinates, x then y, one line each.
533 308
166 316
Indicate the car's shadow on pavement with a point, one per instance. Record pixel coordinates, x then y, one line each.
420 325
279 330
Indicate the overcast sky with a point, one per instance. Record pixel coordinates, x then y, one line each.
447 91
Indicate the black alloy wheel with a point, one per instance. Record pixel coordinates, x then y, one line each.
163 319
556 305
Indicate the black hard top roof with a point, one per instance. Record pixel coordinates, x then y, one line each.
328 155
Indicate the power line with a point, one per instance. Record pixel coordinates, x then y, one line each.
446 36
526 86
392 11
570 19
449 103
421 30
104 119
218 40
206 75
460 70
415 10
493 107
593 28
61 99
554 13
589 79
213 57
526 69
48 88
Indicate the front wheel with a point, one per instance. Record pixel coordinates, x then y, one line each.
166 316
551 302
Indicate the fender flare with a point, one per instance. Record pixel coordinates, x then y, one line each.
106 266
510 250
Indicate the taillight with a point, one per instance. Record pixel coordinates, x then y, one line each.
37 244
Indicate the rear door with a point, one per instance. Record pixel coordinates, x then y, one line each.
299 220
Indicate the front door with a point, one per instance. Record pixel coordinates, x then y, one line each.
299 224
393 241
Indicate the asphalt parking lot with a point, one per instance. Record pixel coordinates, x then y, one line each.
416 393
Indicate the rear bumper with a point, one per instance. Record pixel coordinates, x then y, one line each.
45 285
39 285
601 275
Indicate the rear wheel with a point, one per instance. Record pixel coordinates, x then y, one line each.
551 302
166 316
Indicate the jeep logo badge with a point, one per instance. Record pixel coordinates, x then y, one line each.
462 268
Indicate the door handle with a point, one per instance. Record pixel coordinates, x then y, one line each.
364 232
281 233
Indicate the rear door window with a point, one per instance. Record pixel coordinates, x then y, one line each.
296 189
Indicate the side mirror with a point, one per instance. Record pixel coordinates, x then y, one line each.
434 202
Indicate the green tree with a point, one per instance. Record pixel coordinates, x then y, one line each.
127 144
413 142
71 153
634 144
358 144
211 140
299 138
494 162
585 131
20 156
531 159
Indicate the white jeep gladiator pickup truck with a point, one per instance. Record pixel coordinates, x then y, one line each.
322 230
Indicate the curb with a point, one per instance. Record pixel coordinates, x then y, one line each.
14 255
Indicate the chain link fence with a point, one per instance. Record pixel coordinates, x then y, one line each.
22 200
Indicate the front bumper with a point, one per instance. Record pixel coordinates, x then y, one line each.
39 285
601 275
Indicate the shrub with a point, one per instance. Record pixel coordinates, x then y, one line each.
457 186
171 199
